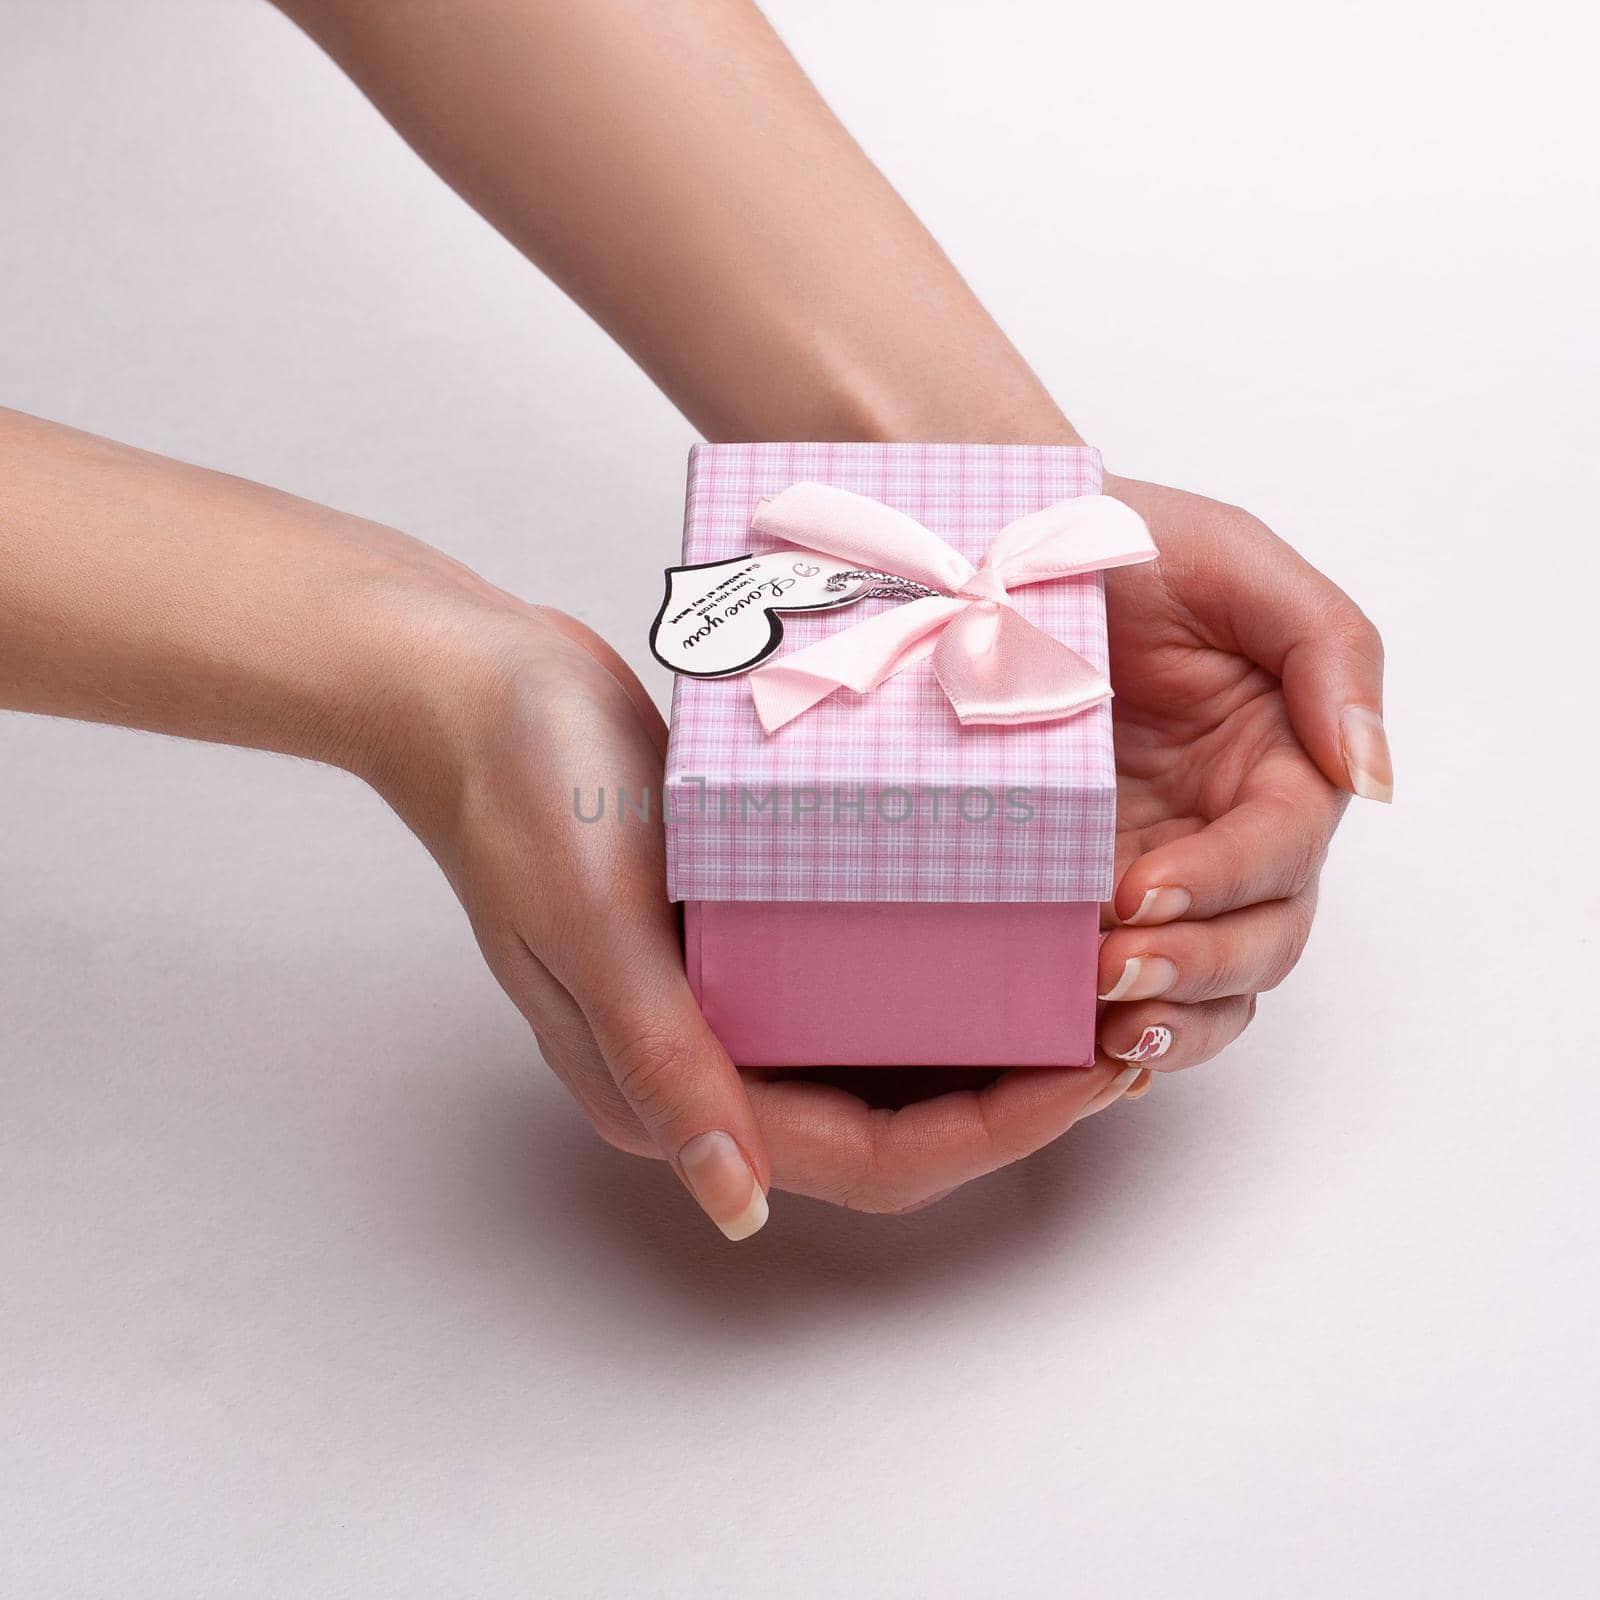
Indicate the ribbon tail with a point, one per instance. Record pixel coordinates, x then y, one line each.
859 658
996 667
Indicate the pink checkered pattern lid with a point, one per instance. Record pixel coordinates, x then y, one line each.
885 796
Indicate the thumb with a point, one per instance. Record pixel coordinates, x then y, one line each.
1308 632
680 1083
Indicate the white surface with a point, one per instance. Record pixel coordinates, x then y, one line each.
311 1283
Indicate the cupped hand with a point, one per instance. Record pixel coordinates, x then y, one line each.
1248 707
573 919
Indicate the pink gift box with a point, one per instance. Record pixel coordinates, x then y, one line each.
875 884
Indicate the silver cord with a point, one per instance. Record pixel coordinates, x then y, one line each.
886 585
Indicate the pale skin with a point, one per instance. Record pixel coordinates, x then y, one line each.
659 159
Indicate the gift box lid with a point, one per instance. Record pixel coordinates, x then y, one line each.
885 795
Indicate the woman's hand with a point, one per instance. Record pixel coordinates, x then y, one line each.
1249 696
156 595
813 262
573 919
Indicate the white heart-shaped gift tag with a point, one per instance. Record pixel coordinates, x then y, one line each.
721 617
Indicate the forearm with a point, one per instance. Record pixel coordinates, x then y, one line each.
668 164
140 591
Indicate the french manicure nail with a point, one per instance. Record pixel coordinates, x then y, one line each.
720 1178
1142 978
1109 1095
1166 903
1152 1044
1366 753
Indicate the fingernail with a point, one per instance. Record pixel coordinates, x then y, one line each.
1143 978
1152 1044
1366 753
1163 904
1141 1084
720 1178
1109 1095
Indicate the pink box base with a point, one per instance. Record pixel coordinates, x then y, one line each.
886 983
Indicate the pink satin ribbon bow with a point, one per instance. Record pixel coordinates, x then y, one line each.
993 664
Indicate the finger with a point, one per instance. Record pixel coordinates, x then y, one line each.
1131 1083
610 937
583 1074
1165 1037
566 1042
1269 846
1140 1086
1299 625
829 1144
678 1081
1240 952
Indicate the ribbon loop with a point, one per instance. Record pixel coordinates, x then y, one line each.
855 528
994 665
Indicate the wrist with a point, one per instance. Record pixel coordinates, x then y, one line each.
452 663
432 657
885 398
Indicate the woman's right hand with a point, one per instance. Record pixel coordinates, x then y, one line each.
574 921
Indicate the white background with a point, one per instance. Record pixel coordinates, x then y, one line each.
311 1281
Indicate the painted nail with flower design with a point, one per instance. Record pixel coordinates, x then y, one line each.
1151 1045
